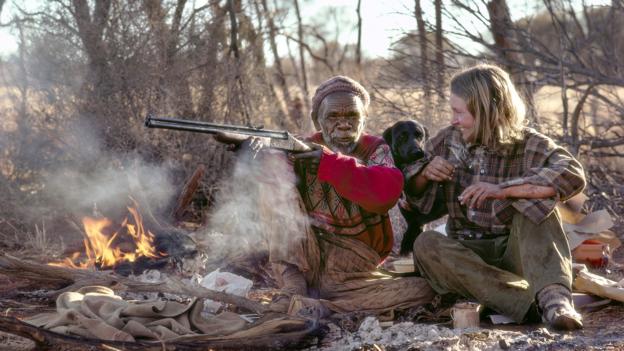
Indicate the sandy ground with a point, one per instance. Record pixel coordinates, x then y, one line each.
603 331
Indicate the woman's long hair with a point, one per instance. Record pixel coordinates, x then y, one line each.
494 102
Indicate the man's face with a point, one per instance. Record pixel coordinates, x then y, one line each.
341 118
462 118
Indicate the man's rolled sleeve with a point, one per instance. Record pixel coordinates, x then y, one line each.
561 171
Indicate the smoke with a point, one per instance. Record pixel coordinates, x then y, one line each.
257 206
95 180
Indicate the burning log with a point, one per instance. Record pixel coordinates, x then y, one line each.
128 247
77 278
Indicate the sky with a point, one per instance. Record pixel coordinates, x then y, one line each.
384 21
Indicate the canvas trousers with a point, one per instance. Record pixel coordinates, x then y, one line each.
503 273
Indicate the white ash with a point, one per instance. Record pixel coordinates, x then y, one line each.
155 276
408 335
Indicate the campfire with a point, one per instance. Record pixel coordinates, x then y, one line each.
109 246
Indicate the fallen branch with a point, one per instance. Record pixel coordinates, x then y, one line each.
186 196
288 335
77 278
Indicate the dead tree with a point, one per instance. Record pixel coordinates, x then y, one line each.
502 31
277 63
167 38
302 66
424 70
440 67
358 47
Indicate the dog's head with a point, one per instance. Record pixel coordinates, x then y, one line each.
406 140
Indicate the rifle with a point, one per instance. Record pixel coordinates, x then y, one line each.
277 139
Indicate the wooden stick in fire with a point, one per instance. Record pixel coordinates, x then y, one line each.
78 278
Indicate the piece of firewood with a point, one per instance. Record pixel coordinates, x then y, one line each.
48 340
186 195
77 278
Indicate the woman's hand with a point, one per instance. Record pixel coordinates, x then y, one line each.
438 170
475 195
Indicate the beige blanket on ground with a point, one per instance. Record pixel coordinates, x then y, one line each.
96 312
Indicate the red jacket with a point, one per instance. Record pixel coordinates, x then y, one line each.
351 194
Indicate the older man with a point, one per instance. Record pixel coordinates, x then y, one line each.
346 186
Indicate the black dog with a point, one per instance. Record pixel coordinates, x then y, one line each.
406 140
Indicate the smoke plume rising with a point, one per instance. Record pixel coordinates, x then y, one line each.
258 204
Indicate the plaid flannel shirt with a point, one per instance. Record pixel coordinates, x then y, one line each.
534 160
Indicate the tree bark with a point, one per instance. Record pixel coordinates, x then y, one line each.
574 122
502 32
281 77
358 48
168 39
90 31
233 30
424 63
439 53
303 68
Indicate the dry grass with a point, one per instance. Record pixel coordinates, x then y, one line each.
36 243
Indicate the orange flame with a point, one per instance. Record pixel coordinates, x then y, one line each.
100 250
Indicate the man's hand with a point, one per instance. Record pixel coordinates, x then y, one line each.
475 195
234 141
249 147
438 170
312 158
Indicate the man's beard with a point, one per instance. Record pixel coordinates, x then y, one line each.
342 147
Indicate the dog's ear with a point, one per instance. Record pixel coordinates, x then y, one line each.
426 132
387 135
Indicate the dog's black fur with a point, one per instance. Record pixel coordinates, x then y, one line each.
406 140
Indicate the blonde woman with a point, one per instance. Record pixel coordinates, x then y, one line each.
505 245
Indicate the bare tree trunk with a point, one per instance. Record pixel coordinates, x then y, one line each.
23 81
358 48
575 143
172 91
281 77
501 28
564 103
304 74
283 113
233 30
564 94
424 63
439 54
99 89
90 31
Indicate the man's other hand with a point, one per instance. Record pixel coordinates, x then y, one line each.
475 195
311 158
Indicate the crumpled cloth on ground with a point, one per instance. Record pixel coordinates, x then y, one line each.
96 312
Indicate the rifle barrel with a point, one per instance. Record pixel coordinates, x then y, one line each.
210 128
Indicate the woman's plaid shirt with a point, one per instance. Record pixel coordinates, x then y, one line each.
534 160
